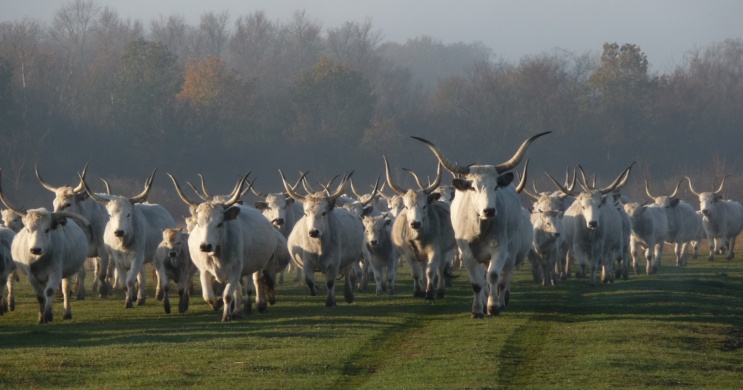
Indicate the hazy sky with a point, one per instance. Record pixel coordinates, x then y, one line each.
664 29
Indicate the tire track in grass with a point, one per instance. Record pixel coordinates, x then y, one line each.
520 356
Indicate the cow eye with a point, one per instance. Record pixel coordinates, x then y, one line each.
219 225
67 205
324 213
46 231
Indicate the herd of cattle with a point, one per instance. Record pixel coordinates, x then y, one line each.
478 222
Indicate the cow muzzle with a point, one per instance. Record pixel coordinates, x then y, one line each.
705 212
373 242
415 225
119 233
206 248
278 221
172 254
36 251
593 224
314 233
488 213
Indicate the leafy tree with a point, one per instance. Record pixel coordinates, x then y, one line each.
332 101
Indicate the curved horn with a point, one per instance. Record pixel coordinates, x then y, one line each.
373 194
290 190
571 186
307 187
43 183
435 183
514 161
559 186
522 181
356 194
93 196
237 193
616 181
673 195
451 167
202 197
391 184
105 183
647 190
258 194
79 187
691 188
625 178
203 187
147 186
533 196
584 182
341 186
180 193
415 176
722 184
20 212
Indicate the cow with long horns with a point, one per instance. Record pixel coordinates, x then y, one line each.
328 239
76 200
423 235
593 227
722 220
484 211
50 249
229 241
684 224
132 235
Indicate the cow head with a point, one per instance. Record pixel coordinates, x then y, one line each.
174 241
663 201
547 226
416 202
483 180
318 206
121 209
274 207
12 220
208 218
66 198
708 200
375 229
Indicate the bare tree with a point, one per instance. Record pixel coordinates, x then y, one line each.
174 33
354 43
213 34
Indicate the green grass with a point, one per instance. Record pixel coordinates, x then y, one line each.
682 327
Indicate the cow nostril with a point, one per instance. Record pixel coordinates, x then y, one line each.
415 225
593 224
489 212
373 242
205 247
172 253
314 233
557 234
119 233
705 212
280 221
35 250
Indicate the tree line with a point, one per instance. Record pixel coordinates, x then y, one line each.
243 92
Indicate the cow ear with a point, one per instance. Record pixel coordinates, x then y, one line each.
231 213
367 211
505 179
58 221
433 197
675 202
603 200
289 201
718 198
81 196
461 184
261 205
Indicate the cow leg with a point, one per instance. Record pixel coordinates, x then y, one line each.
416 271
49 291
680 250
431 269
378 277
96 270
391 276
12 278
165 292
260 291
141 278
183 295
81 283
634 248
228 296
476 274
67 311
496 281
348 287
731 242
103 263
330 275
207 290
712 249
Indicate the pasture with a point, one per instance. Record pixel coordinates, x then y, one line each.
682 327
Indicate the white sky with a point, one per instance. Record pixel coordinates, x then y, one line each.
664 29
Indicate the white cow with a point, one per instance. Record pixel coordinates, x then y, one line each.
649 230
423 235
593 228
722 219
50 249
327 239
76 200
132 235
229 241
484 213
379 252
7 271
546 244
684 224
173 262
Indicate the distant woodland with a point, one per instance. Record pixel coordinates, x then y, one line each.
238 93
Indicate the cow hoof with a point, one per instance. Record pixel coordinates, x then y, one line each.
128 304
262 307
159 296
429 295
226 318
166 306
67 316
349 298
476 316
11 305
379 292
330 303
140 301
417 294
494 310
507 297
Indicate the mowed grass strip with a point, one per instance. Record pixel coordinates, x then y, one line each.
682 327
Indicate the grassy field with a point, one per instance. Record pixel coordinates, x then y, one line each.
682 327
